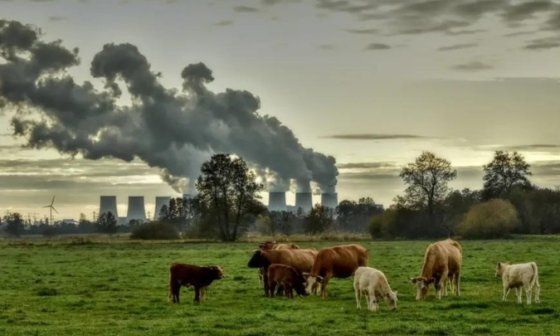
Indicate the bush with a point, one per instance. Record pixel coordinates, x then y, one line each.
155 230
493 219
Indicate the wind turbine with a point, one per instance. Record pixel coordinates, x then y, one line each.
51 208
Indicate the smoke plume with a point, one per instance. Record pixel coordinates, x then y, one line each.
172 130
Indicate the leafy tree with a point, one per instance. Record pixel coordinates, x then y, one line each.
14 224
282 221
227 189
492 219
355 216
455 206
505 172
318 220
426 179
106 223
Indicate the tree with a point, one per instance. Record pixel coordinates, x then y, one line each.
493 219
14 224
355 216
318 220
426 179
505 172
106 223
228 191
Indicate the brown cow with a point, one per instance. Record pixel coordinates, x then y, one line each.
287 277
199 277
442 262
272 245
339 262
300 259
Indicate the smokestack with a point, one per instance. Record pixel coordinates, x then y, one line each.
136 209
108 204
329 200
304 201
160 202
277 201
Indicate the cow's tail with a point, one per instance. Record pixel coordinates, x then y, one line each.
457 245
535 280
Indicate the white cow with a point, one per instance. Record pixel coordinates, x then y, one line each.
519 276
373 284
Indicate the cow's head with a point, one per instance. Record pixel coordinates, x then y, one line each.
258 260
312 282
392 300
500 268
299 285
217 272
422 286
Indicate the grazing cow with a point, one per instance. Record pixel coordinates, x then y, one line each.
442 262
287 277
339 262
373 284
200 277
300 259
272 245
520 276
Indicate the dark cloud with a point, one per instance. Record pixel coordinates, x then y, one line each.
245 9
543 43
223 23
532 148
164 128
374 136
457 46
366 165
362 31
326 47
473 66
517 12
377 46
56 18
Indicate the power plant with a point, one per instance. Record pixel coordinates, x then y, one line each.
304 201
277 201
329 200
160 202
108 204
136 209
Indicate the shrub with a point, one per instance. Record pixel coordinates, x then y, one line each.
495 218
155 230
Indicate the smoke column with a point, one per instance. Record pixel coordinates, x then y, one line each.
173 130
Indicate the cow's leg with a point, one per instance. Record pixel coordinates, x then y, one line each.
458 284
288 291
175 289
324 286
358 295
373 302
528 290
505 293
265 281
271 289
197 294
440 284
519 293
537 289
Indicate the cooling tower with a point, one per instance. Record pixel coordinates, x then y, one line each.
160 202
304 201
277 201
136 209
108 204
329 200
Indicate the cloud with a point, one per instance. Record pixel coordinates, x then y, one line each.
362 31
224 23
543 43
56 18
531 148
377 46
327 46
245 9
374 136
473 66
457 46
366 165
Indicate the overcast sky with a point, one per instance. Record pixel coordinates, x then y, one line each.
372 83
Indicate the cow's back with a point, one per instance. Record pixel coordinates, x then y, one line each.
300 259
441 255
342 261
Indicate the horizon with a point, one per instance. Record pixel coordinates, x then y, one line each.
355 80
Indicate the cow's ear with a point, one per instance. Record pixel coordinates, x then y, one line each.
413 280
305 274
319 278
499 264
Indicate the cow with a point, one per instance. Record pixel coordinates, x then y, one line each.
339 262
199 277
273 245
519 276
442 262
287 277
300 259
374 285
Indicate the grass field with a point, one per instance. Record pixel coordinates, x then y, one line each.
120 288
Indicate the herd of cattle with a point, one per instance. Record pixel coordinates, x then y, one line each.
284 268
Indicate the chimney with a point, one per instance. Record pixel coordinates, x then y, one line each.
108 204
277 201
160 202
329 200
136 209
304 201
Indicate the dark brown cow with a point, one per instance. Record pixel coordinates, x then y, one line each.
442 262
339 262
199 277
300 259
287 277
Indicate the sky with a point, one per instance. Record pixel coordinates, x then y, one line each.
370 83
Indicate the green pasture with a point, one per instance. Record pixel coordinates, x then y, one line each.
78 287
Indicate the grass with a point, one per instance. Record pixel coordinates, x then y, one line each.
118 287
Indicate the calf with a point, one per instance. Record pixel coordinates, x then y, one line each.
442 262
273 245
519 276
373 284
200 277
287 277
339 262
